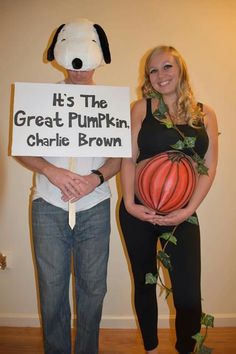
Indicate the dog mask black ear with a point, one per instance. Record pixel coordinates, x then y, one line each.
104 43
50 52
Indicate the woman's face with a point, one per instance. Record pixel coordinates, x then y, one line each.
80 77
164 73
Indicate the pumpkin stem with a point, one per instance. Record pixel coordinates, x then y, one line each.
175 156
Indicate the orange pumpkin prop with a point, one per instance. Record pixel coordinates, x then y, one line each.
166 182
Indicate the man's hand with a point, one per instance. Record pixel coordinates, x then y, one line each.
84 185
68 182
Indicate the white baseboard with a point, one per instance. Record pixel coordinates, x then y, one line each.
19 320
164 321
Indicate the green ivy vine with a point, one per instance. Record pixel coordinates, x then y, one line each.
161 114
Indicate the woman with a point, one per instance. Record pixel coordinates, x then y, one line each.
167 85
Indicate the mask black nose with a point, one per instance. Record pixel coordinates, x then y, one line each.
77 63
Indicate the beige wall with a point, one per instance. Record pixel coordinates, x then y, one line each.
204 31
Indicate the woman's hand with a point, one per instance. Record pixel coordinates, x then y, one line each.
141 212
174 218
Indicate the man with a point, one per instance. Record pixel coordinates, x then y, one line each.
58 185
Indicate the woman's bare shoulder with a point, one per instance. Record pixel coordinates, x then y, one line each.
139 108
209 113
210 119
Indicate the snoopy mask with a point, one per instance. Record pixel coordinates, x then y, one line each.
80 45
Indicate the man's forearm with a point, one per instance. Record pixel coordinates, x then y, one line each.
33 163
110 168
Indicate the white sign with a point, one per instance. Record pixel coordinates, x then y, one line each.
71 120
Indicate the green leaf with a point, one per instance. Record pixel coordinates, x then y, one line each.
154 95
150 278
168 236
207 320
162 108
167 122
205 350
202 169
193 220
189 141
197 158
179 145
199 338
164 259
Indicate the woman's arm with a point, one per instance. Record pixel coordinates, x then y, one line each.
204 181
128 167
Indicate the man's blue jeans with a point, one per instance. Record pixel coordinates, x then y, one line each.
54 245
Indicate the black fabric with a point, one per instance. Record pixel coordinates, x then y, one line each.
104 43
50 51
155 138
141 242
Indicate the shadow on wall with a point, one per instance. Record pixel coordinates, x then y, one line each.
2 171
4 154
11 119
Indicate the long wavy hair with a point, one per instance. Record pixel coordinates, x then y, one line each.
187 108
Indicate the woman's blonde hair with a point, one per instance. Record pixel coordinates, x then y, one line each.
187 108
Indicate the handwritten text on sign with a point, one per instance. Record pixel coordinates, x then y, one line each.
71 120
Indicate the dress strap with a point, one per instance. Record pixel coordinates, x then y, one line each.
149 107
